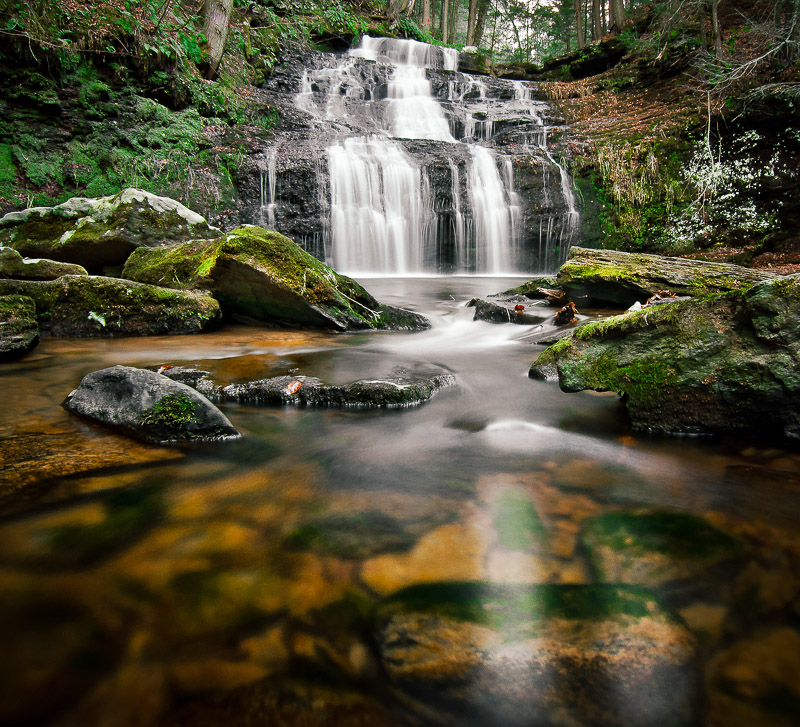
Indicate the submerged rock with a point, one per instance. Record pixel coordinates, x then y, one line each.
149 406
730 362
103 231
13 265
475 654
310 391
261 275
19 331
88 306
609 277
667 551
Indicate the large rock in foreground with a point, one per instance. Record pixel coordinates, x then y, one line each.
19 332
98 232
618 279
13 265
261 275
83 306
148 406
730 362
477 654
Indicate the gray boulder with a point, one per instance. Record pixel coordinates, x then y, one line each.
103 231
148 406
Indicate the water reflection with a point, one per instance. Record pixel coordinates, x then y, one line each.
505 554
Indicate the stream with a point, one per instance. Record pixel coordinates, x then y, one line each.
220 583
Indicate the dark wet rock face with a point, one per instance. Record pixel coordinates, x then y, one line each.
618 279
261 275
309 391
148 406
103 231
725 363
13 265
594 654
19 331
88 306
514 309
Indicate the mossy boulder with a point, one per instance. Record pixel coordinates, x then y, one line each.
19 331
13 265
660 549
148 406
103 231
88 306
618 279
477 653
261 275
728 362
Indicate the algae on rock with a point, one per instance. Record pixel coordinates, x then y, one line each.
19 331
722 363
81 305
103 231
262 275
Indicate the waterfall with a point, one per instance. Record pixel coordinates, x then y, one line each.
420 165
268 182
380 211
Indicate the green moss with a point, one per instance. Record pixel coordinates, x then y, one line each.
516 521
678 535
171 412
510 606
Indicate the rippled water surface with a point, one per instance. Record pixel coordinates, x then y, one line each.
504 554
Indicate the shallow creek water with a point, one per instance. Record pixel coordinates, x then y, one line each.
237 584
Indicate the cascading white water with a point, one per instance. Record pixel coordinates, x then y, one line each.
385 121
380 213
490 212
268 183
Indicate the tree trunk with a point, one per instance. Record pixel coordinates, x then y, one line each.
453 20
715 28
217 15
579 23
597 23
445 21
472 20
617 15
480 23
427 26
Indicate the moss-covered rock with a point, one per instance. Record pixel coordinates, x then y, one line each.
13 265
618 279
84 306
148 406
103 231
262 275
723 363
19 331
475 653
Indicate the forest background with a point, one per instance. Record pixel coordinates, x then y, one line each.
683 112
